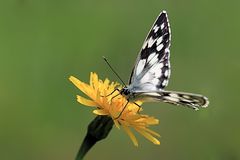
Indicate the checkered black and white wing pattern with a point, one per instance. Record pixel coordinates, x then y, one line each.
194 101
152 67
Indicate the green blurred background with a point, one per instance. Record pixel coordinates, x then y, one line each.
43 42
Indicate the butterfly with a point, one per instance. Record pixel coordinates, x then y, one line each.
151 72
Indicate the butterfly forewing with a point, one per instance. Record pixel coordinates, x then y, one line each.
152 67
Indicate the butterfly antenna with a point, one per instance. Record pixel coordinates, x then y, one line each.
105 59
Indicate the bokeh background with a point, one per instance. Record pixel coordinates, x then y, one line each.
43 42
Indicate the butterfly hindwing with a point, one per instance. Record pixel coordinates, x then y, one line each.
152 67
194 101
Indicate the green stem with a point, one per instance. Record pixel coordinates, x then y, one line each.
87 144
98 129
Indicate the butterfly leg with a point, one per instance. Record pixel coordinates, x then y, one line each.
112 92
139 107
122 110
115 96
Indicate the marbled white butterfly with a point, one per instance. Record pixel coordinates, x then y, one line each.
151 72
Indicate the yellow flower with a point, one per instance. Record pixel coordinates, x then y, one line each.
112 105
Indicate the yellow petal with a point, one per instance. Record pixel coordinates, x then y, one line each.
75 81
152 121
150 131
134 118
79 84
98 95
131 135
139 102
91 81
148 120
106 82
94 80
86 102
100 112
116 124
148 136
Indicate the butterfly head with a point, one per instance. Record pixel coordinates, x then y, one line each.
125 91
129 94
